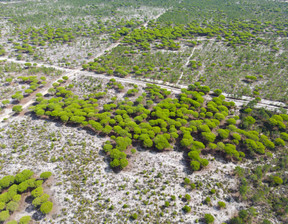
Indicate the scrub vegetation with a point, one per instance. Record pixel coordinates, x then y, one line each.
143 111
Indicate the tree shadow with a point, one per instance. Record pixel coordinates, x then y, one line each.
37 216
29 199
30 208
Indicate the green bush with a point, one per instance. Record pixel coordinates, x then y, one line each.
186 209
45 175
7 181
186 180
279 142
25 220
40 200
134 216
277 180
187 197
209 218
195 165
12 206
4 197
17 198
46 207
236 220
22 187
4 215
284 136
17 108
207 200
37 192
23 176
2 205
217 92
12 222
221 204
212 191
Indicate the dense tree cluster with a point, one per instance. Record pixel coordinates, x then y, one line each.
155 120
219 11
234 33
48 34
12 187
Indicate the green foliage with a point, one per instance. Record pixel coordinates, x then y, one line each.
209 136
37 192
123 163
168 121
279 142
277 180
40 200
161 142
186 180
17 108
186 209
12 206
122 143
45 175
5 102
17 198
187 197
265 221
219 116
12 222
284 136
115 163
223 133
209 218
195 165
221 204
25 220
2 205
23 176
217 92
207 200
46 207
236 220
4 215
22 187
7 181
134 216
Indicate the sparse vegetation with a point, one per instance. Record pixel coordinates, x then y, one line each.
143 111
